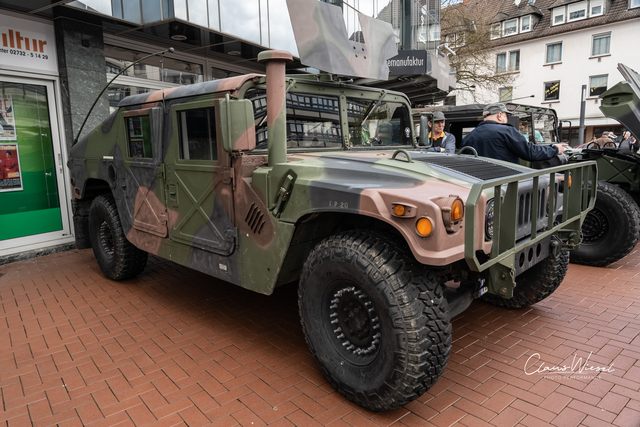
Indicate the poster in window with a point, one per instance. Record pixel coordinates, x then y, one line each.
552 91
10 175
135 127
7 119
137 147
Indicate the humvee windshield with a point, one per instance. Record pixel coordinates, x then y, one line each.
313 122
376 123
543 125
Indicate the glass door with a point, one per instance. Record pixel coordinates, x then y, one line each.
29 175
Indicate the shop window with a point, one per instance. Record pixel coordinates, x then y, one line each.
552 91
510 27
198 134
558 15
597 85
525 24
173 70
506 94
634 3
601 44
577 11
139 140
554 53
29 199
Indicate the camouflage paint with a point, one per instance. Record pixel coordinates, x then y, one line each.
223 218
323 43
275 61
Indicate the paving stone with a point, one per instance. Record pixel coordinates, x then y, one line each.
176 347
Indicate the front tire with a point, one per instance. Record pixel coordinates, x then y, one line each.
376 326
535 284
116 256
611 230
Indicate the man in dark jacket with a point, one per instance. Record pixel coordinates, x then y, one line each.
497 139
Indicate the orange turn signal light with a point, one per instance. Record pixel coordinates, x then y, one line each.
399 210
457 210
424 227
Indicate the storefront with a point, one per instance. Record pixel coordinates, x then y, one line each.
34 199
57 57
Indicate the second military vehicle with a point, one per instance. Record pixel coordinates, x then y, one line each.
612 229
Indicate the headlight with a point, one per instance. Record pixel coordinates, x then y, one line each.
488 221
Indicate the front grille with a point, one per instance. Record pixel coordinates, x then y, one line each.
526 217
472 166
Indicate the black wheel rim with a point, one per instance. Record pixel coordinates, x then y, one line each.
106 240
595 227
352 322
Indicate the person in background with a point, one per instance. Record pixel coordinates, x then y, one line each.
496 138
443 142
384 135
627 144
606 139
524 130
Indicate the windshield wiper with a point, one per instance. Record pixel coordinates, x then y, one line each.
371 108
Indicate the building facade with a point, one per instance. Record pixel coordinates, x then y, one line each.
554 47
57 58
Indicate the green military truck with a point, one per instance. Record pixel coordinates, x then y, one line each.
261 180
612 229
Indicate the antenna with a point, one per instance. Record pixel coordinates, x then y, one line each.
162 52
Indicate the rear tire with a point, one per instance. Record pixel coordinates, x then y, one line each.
535 284
376 326
116 256
611 230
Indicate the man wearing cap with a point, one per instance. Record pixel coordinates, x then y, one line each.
496 138
443 142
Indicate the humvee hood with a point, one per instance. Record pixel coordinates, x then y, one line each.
380 169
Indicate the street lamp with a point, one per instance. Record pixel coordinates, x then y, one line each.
522 97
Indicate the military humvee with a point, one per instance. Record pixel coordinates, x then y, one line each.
264 180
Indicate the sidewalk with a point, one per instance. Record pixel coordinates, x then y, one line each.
176 347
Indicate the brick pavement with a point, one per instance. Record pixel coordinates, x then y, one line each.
175 347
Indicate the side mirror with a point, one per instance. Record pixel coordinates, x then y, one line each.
238 128
423 140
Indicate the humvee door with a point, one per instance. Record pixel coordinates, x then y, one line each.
199 182
145 192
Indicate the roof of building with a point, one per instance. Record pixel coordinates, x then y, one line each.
507 9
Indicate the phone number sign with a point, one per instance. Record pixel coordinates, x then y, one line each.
27 44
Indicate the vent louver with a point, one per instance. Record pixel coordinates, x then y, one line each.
255 219
472 166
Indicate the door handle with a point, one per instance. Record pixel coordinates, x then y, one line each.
47 173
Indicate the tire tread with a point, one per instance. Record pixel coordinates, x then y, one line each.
421 328
128 261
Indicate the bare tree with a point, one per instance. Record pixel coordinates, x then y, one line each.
466 29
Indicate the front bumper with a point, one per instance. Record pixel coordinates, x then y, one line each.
511 251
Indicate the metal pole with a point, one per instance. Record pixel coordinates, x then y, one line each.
583 104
